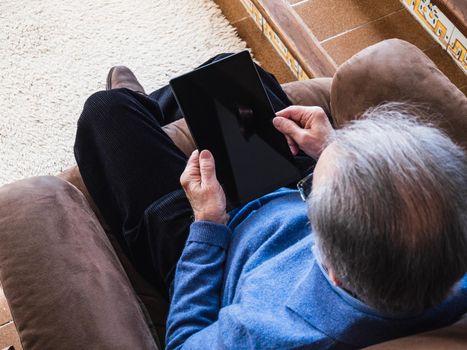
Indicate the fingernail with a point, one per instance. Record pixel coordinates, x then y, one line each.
276 121
205 154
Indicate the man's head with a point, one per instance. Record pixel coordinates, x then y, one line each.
389 208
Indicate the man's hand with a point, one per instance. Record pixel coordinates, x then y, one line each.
305 128
204 192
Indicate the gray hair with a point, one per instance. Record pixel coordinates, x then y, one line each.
391 219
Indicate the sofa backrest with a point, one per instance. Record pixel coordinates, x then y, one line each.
395 70
453 337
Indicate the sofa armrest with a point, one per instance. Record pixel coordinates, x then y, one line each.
63 281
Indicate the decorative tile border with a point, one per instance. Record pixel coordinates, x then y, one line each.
275 40
441 29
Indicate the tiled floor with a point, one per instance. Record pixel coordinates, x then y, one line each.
343 28
327 18
261 48
263 51
8 334
399 24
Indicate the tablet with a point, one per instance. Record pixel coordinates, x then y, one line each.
229 113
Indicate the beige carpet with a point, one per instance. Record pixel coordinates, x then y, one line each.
54 53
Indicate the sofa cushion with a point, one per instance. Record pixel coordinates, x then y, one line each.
180 134
311 92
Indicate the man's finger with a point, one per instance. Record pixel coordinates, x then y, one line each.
289 110
288 128
294 113
302 115
207 167
192 170
292 145
193 162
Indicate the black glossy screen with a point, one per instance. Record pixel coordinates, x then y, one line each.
228 112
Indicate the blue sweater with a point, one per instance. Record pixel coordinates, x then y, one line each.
256 284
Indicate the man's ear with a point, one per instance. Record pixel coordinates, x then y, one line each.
333 278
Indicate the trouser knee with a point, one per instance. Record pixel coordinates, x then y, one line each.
103 107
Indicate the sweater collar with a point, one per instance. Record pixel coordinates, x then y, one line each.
346 319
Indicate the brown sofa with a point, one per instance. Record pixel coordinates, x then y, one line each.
70 287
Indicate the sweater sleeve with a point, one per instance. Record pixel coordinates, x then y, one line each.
197 285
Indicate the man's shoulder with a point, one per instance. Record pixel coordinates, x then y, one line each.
267 227
251 327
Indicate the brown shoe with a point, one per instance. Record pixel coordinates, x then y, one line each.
122 77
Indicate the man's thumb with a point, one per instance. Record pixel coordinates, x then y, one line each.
286 126
207 166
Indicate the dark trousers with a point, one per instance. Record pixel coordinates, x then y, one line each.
132 168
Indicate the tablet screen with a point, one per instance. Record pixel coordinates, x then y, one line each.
228 112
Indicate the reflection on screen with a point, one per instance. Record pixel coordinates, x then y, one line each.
248 152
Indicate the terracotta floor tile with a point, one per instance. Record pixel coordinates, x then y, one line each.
446 64
9 336
263 51
5 315
233 10
464 90
398 25
327 18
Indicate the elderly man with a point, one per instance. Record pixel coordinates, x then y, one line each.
382 258
384 255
